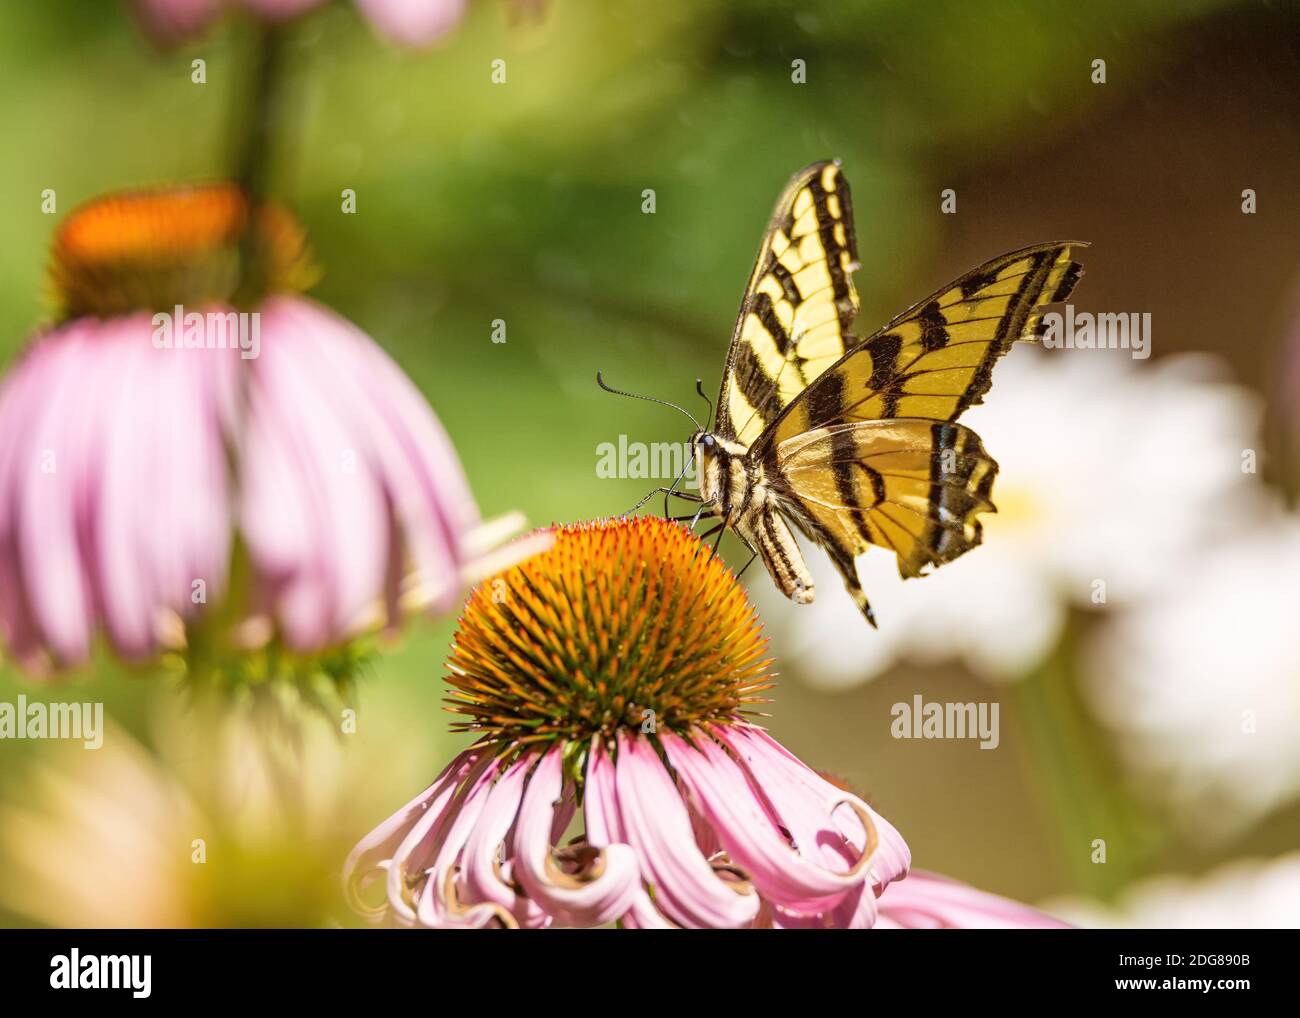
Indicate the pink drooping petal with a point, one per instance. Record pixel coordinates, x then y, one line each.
441 902
800 815
379 852
314 510
655 821
601 892
284 529
784 874
778 770
605 827
121 523
189 538
382 443
56 450
18 393
408 869
113 489
927 901
49 609
413 22
421 472
485 867
157 491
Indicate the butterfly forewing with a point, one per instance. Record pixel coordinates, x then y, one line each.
798 307
936 360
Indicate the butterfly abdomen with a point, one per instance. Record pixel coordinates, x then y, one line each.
776 546
757 518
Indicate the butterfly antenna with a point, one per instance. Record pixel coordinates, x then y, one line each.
619 392
699 387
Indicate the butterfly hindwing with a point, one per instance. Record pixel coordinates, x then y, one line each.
912 486
936 360
799 304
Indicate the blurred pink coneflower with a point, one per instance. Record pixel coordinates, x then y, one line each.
240 472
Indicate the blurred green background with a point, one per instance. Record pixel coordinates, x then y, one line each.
522 202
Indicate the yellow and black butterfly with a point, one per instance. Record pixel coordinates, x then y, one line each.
853 441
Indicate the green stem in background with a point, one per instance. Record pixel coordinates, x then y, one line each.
259 115
259 121
1081 789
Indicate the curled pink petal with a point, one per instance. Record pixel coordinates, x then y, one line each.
687 888
486 872
439 853
696 841
605 827
605 885
796 787
783 873
374 854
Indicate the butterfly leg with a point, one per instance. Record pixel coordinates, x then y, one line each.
720 528
749 547
844 564
710 532
752 556
673 491
704 504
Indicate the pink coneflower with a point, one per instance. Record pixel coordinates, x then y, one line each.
611 677
411 23
249 485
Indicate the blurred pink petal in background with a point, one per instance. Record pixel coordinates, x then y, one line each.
413 23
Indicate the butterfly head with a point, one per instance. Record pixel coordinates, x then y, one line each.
719 464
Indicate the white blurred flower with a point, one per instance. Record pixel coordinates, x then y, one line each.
1242 895
1202 686
1110 470
231 824
102 839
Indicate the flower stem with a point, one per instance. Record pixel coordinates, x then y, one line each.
260 113
1104 838
259 118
